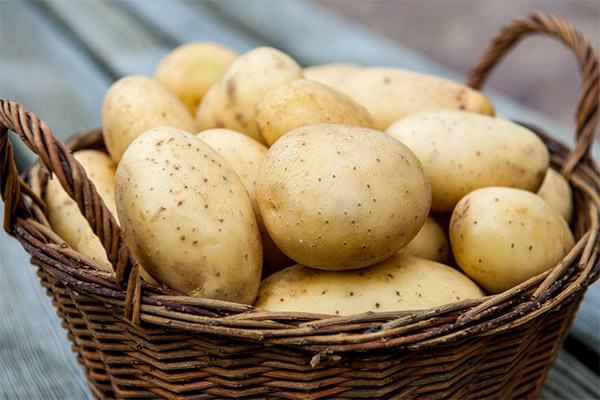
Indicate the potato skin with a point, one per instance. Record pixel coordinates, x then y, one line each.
134 104
391 93
63 213
231 102
462 151
341 197
331 74
187 217
431 243
304 102
400 283
245 155
191 69
555 189
503 236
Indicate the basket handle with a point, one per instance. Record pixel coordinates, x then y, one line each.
587 104
56 157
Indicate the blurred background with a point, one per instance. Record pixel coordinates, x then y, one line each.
540 72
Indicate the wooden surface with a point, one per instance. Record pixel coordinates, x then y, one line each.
59 57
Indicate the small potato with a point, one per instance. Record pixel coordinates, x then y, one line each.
503 236
341 197
133 105
331 74
400 283
304 102
187 217
462 151
231 101
191 69
245 154
63 213
392 93
431 243
555 189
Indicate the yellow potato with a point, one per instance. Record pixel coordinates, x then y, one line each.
304 102
133 105
331 74
341 197
231 101
400 283
462 151
187 217
191 69
245 154
63 213
391 93
555 189
503 236
431 243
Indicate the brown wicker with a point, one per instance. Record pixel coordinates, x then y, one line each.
140 340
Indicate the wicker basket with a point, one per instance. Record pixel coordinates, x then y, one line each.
140 340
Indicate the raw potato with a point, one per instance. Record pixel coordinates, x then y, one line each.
304 102
231 101
462 151
401 282
133 105
245 154
192 68
431 243
341 197
63 213
187 217
555 189
391 93
331 74
503 236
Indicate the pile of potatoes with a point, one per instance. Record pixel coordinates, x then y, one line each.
332 189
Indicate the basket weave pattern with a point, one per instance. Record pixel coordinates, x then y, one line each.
137 340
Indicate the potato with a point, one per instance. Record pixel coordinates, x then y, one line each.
462 151
133 105
304 102
191 69
245 154
231 101
63 213
503 236
555 189
399 283
331 74
187 217
341 197
391 93
431 243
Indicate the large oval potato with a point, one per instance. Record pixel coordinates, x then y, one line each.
462 151
431 243
304 102
392 93
399 283
555 189
133 105
187 217
191 69
245 155
231 101
503 236
341 197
